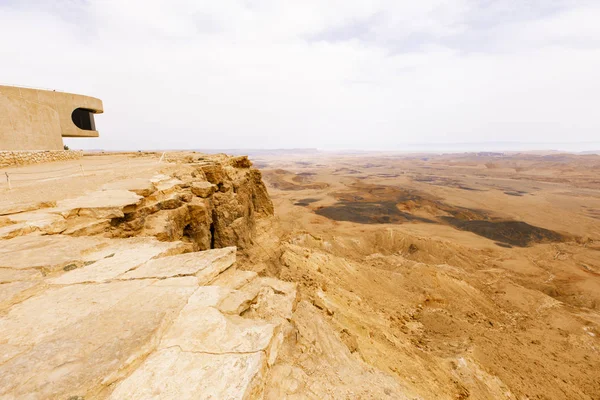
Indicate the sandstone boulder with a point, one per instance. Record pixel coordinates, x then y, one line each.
214 173
203 189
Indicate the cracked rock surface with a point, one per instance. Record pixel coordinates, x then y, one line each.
132 291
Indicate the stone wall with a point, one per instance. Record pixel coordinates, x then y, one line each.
13 158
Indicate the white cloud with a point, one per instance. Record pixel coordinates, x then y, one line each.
337 74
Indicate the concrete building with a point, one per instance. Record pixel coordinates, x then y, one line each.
32 119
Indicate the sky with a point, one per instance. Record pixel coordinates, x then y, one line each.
336 74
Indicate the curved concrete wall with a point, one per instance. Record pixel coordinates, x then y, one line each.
32 119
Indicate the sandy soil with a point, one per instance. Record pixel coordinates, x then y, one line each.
464 276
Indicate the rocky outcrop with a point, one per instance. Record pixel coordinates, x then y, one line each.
106 295
136 318
208 203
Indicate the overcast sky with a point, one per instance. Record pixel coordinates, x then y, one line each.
314 73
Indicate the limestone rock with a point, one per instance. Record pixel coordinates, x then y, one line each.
234 278
167 225
204 265
205 329
88 314
240 162
45 222
125 255
46 252
215 213
86 337
203 189
140 186
100 204
200 228
8 275
261 200
328 370
175 374
86 226
233 219
13 290
167 185
214 173
236 302
14 230
275 299
11 208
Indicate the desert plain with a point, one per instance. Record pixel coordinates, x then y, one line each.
302 274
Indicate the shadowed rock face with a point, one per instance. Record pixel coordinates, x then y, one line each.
212 203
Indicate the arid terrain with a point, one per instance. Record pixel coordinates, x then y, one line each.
356 276
463 276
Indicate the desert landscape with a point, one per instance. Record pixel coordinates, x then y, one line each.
301 275
462 275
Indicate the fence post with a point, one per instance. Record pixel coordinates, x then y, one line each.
82 171
8 181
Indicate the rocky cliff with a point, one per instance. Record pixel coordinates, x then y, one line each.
208 201
204 201
131 291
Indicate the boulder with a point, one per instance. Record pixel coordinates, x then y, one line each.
203 189
214 173
167 225
240 162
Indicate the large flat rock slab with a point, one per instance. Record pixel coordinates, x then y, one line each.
49 252
58 252
205 329
234 278
140 186
28 222
76 340
165 183
120 256
8 208
205 265
175 374
99 204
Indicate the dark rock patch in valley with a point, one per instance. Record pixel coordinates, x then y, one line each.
518 193
380 204
305 202
515 233
385 212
